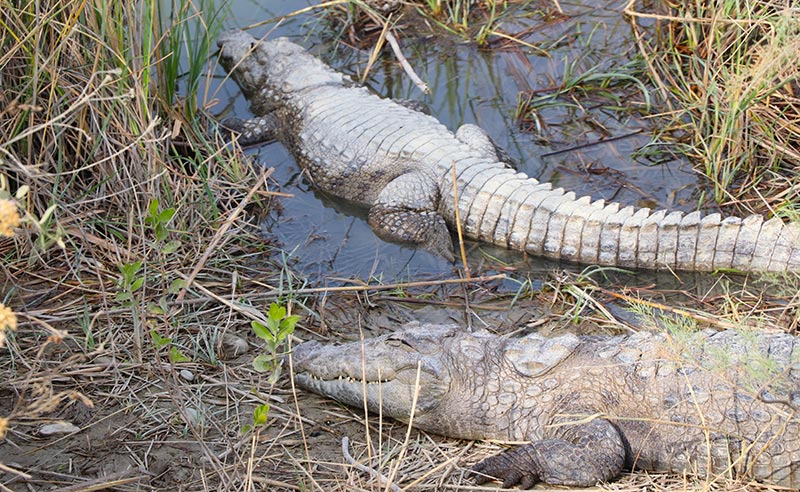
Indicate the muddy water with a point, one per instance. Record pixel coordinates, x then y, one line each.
578 142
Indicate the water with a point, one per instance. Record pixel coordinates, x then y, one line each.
326 239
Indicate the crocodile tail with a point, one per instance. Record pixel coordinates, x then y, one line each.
512 210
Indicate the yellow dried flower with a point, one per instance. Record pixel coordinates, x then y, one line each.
8 321
9 217
7 318
3 427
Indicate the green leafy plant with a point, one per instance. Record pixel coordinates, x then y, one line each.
157 220
260 414
275 332
133 279
159 340
175 354
129 282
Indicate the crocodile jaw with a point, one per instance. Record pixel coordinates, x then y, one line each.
392 398
388 378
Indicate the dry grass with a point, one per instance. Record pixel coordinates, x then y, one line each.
86 129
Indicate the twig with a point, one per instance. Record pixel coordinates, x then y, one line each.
255 314
8 469
240 308
519 41
399 285
448 464
322 5
221 233
632 12
307 474
431 302
404 63
113 480
404 448
376 51
248 478
589 144
373 473
275 483
297 407
458 223
234 389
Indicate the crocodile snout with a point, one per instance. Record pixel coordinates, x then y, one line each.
303 353
233 36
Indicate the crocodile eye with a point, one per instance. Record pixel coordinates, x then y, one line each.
399 342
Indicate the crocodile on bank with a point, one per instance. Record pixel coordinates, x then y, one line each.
712 403
399 162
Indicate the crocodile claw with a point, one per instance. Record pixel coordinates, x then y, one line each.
502 468
253 131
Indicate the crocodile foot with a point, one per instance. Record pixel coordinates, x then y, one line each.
579 455
425 229
253 131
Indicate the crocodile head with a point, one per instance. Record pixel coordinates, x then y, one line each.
390 368
271 69
444 366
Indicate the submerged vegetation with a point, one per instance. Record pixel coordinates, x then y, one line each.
132 265
475 21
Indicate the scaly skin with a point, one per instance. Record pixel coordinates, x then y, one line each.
708 402
399 163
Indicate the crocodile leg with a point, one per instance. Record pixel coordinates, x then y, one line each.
477 138
405 212
253 131
576 455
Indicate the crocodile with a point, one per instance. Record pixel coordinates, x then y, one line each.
399 163
586 407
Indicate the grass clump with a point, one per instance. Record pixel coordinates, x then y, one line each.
586 90
731 70
114 192
466 18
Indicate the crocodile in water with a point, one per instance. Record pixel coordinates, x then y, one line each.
399 163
